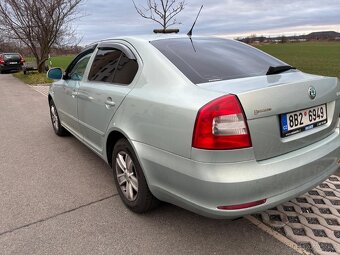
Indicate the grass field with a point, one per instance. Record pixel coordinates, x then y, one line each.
311 57
321 58
62 61
37 78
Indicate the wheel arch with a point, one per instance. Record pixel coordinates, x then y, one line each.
111 140
49 98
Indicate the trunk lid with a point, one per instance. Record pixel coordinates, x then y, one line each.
265 98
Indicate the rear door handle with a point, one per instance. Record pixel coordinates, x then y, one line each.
109 103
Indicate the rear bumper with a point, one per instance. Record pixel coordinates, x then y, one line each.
10 67
201 187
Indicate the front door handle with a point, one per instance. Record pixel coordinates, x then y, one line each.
74 94
109 103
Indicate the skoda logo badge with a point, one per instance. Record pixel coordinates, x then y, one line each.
312 92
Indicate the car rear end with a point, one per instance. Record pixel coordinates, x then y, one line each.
11 62
283 163
265 140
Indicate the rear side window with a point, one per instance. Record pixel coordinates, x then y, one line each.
126 70
113 66
104 65
212 59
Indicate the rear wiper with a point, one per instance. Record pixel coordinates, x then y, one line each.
278 69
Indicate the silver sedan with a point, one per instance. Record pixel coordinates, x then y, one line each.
211 125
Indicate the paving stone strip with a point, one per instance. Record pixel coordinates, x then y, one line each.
311 220
42 89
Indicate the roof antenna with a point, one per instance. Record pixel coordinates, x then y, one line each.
190 32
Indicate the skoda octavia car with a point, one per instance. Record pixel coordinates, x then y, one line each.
211 125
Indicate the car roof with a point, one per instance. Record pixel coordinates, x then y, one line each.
150 38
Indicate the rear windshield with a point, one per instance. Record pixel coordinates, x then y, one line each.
214 59
11 56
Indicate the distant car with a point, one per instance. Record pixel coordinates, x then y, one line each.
211 125
10 62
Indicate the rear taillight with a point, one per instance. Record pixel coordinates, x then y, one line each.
221 125
22 61
2 61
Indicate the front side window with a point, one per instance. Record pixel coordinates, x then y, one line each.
78 70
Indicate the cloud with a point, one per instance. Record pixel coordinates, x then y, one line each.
105 19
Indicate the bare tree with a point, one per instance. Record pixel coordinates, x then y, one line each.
161 11
38 24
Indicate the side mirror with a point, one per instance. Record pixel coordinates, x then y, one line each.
55 74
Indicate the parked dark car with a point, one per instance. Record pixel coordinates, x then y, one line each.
11 62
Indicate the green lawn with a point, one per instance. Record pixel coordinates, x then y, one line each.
62 61
312 57
33 78
37 78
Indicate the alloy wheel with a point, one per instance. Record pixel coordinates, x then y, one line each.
54 117
126 175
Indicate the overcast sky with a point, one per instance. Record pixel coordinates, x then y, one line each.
230 18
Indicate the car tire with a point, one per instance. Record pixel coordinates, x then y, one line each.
130 180
57 127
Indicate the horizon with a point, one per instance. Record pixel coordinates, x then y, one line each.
235 37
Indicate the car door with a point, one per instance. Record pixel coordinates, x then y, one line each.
110 79
66 93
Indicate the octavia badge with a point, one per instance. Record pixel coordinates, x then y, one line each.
312 92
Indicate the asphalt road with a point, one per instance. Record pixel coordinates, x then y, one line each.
58 197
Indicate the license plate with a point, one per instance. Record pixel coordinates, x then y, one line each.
13 63
303 120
